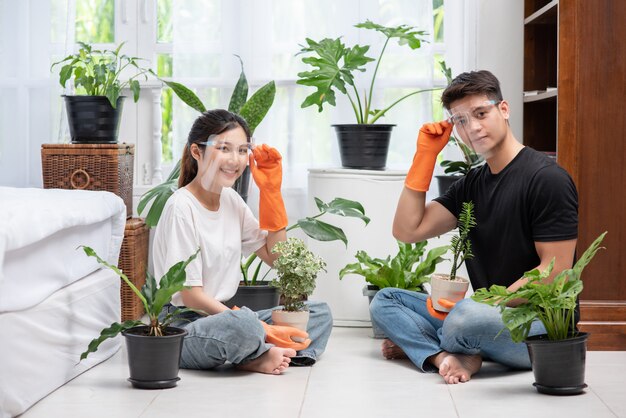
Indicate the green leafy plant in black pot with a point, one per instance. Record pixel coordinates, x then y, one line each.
558 356
362 145
153 348
94 112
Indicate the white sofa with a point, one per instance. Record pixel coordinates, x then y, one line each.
53 298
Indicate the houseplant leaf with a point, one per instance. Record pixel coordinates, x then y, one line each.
255 109
186 95
240 94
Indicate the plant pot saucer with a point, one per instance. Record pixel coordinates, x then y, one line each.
560 391
154 384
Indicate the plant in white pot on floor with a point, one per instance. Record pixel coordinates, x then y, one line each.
452 287
296 269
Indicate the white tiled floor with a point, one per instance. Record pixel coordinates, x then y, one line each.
351 380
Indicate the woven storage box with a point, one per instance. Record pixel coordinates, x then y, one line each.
133 263
106 167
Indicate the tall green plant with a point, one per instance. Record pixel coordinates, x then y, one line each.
553 303
460 244
335 65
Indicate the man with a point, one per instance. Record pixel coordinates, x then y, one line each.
526 208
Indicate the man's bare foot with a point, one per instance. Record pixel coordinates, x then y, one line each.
273 361
391 351
457 368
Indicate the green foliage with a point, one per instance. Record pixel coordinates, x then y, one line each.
297 269
552 303
335 65
96 72
460 244
404 270
152 296
160 194
314 228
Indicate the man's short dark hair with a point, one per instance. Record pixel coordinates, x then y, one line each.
472 83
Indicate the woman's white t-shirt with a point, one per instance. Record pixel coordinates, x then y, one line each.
222 236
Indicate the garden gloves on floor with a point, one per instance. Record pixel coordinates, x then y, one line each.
438 314
267 171
430 141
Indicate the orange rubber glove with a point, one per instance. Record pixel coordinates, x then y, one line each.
438 314
267 171
430 141
282 336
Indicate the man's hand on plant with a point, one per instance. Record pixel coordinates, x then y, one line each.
438 314
267 171
432 138
286 337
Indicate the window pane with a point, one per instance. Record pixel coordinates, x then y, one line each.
438 20
95 21
164 65
164 21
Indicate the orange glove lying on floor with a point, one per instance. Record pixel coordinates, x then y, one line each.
267 171
430 141
282 336
437 314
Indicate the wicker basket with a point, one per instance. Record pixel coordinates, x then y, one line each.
106 167
133 262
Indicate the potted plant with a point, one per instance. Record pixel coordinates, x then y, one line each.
257 294
153 348
452 287
406 270
557 357
296 268
362 145
94 114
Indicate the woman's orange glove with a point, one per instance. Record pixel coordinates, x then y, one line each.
267 171
282 336
435 313
430 141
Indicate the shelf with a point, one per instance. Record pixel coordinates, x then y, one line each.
546 15
540 96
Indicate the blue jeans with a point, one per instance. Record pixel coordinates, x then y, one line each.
238 337
470 328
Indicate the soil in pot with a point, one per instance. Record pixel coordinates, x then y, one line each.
443 288
558 366
154 361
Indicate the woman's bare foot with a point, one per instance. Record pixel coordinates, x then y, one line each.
457 368
273 361
391 350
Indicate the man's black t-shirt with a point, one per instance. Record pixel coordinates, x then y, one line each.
531 200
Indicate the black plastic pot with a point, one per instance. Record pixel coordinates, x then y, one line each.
445 182
558 366
363 147
154 361
256 297
370 291
92 119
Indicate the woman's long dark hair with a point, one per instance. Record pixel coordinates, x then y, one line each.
211 122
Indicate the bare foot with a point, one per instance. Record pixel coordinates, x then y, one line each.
391 350
273 361
457 368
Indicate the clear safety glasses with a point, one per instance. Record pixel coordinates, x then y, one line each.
223 161
225 147
467 122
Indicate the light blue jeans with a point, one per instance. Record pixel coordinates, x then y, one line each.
470 328
238 337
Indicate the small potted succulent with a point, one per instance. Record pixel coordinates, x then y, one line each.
558 356
154 348
94 112
296 271
452 287
363 145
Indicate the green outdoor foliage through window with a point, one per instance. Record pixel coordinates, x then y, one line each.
95 21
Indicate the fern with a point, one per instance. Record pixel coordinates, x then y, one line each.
461 244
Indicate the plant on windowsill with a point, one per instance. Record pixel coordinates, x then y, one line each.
406 270
452 287
557 357
362 145
252 109
153 348
94 113
296 270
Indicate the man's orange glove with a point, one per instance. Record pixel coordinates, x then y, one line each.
435 313
430 141
267 171
282 336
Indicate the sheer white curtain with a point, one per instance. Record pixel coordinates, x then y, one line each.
267 35
32 35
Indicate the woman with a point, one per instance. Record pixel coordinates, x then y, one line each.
206 213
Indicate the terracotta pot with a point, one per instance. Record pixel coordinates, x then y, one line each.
443 288
298 319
